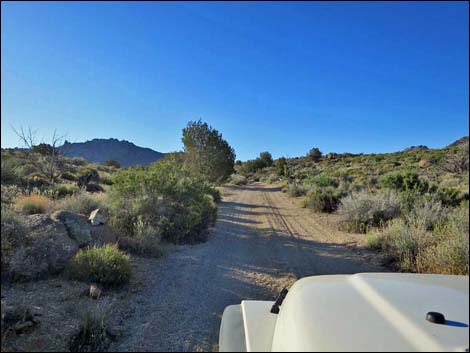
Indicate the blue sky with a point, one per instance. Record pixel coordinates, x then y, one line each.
277 76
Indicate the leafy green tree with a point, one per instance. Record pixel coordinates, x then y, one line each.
207 153
315 154
267 158
281 167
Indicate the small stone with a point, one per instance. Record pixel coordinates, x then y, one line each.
95 291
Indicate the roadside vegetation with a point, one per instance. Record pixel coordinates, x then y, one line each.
411 205
86 222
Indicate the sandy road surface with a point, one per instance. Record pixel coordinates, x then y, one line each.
262 242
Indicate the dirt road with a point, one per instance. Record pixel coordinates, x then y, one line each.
262 241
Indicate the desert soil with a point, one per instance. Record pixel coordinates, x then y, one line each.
262 242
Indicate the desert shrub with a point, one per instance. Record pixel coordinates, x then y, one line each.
445 250
214 193
37 180
427 213
89 170
145 240
408 199
32 204
68 176
362 209
403 182
322 180
282 169
13 233
106 180
106 265
238 179
9 171
449 253
27 168
401 242
78 161
323 199
272 178
449 196
296 189
112 163
81 202
176 204
9 193
62 190
92 335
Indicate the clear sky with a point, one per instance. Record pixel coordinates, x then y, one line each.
276 76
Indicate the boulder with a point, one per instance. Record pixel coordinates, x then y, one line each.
46 250
98 216
83 232
92 187
103 234
76 225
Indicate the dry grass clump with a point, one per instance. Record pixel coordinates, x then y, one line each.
238 179
413 247
92 335
361 210
33 204
81 202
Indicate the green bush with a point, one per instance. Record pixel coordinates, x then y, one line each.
282 169
409 182
449 196
315 154
62 190
106 265
106 180
214 193
322 180
362 209
323 199
88 170
9 171
68 176
164 196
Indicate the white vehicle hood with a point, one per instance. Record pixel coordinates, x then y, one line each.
373 312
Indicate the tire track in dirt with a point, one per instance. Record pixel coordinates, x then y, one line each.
261 243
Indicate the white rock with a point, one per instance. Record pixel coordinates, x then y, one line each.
98 216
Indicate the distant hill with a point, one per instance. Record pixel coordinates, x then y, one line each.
101 150
416 148
460 141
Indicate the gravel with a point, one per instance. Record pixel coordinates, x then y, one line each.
262 242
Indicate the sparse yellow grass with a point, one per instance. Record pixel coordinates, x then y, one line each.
32 204
444 250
